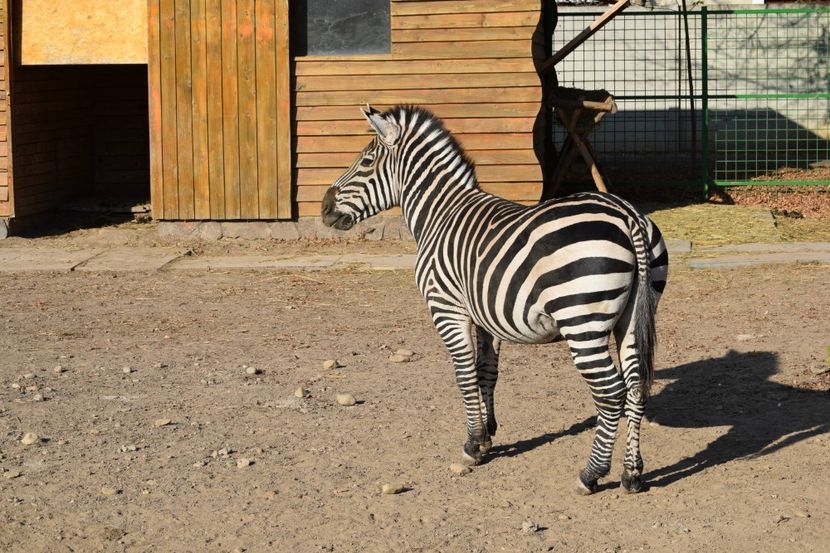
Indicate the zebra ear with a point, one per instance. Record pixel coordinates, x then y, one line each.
387 129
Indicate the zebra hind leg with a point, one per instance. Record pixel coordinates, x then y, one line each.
487 368
593 360
631 478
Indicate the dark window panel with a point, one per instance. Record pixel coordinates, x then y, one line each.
329 27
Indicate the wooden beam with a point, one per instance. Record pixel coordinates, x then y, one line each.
595 26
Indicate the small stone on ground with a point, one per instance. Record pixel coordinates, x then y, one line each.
458 468
402 356
29 438
345 399
392 489
529 527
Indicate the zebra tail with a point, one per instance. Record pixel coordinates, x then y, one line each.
645 335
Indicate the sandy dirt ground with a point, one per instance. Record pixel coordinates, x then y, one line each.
143 431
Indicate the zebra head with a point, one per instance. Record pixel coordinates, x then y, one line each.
368 186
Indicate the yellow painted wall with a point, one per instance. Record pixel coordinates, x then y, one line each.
55 32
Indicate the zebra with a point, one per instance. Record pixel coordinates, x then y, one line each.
577 269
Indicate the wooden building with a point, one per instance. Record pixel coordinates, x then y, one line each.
248 109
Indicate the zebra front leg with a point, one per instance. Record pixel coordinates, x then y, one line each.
487 368
594 362
456 332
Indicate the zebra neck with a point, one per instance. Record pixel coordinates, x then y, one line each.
426 204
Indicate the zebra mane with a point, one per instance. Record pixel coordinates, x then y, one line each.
436 123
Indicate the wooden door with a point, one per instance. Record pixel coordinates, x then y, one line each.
220 136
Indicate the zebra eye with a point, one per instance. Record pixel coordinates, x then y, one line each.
367 161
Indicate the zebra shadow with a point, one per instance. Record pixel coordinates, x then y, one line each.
523 446
731 391
735 391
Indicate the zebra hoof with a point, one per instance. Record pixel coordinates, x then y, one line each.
631 483
585 489
486 445
471 455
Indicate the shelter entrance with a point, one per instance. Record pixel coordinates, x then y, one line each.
81 139
74 97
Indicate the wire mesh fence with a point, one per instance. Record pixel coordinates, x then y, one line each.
743 97
769 94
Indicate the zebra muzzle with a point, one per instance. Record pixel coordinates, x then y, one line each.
332 217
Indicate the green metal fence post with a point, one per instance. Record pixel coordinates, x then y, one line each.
704 104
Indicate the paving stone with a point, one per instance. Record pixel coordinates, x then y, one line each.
733 261
395 229
178 230
321 231
774 247
284 230
305 228
258 230
210 230
677 247
43 259
253 262
375 231
378 262
312 228
130 259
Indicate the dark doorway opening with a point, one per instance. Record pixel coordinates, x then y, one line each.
81 139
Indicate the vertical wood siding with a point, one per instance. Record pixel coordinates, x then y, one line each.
220 109
468 61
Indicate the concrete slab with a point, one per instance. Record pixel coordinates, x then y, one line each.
127 259
733 261
677 247
252 262
20 260
770 247
379 262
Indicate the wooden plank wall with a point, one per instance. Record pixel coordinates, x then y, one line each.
5 190
219 109
468 61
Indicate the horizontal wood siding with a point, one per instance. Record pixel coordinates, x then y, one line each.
468 61
219 109
5 189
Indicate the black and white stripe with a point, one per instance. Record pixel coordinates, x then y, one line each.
577 268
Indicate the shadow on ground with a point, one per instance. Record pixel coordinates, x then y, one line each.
735 391
731 391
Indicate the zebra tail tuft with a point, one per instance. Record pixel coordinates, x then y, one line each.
645 334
